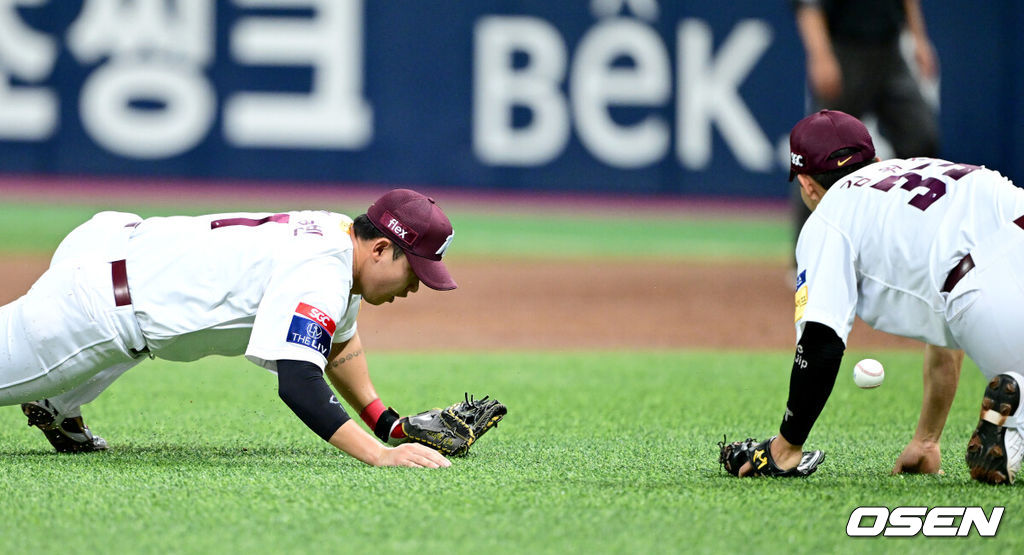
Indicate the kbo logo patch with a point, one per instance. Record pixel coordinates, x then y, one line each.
311 327
801 279
801 295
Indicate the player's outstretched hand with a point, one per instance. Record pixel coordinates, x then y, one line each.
919 457
414 455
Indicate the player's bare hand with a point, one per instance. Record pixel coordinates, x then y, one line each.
746 469
414 455
919 457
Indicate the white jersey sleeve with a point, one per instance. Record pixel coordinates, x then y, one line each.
297 316
826 288
347 323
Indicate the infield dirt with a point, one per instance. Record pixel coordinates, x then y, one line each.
580 304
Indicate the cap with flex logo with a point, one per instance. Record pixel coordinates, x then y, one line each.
419 227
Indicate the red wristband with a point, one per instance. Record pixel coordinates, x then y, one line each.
397 432
372 413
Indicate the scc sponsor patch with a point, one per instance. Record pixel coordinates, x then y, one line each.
801 295
312 328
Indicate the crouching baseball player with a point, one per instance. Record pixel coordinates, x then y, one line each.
921 248
282 289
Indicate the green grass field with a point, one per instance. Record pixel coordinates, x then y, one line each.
608 452
38 227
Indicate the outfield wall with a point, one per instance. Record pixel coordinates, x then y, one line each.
620 96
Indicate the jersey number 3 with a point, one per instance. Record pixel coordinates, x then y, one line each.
936 187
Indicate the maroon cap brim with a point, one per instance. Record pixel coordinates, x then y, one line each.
432 273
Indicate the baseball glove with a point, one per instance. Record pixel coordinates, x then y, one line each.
480 414
453 430
441 430
732 457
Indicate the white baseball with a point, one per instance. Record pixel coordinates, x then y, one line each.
868 373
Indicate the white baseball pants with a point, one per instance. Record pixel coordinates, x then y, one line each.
985 311
65 339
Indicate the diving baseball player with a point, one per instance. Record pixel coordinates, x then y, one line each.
281 289
922 248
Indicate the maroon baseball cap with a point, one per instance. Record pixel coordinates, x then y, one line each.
814 138
417 225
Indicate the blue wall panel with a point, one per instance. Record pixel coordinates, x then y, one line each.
629 96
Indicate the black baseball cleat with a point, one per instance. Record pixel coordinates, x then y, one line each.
995 451
69 435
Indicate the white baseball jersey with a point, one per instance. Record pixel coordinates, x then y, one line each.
882 241
271 286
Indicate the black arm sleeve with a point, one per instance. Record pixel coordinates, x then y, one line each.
302 387
818 355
